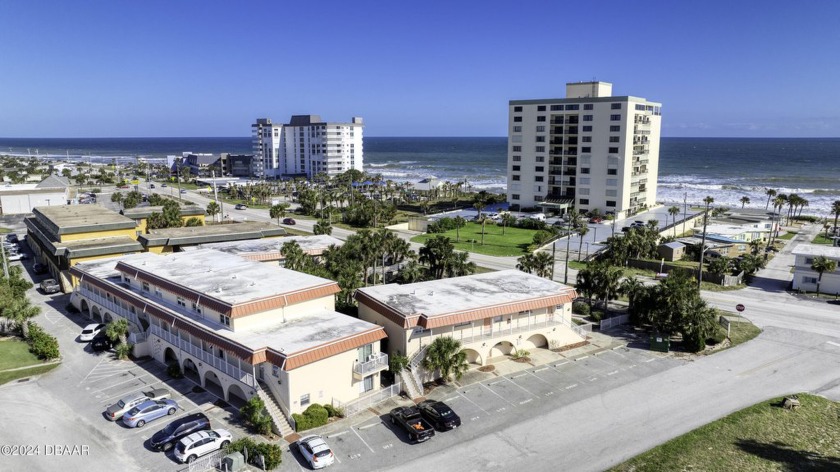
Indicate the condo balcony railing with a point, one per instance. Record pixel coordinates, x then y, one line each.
111 305
373 364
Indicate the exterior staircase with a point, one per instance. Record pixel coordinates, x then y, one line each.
412 375
280 424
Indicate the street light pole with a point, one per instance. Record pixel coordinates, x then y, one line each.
568 237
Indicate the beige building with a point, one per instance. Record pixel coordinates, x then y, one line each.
268 250
239 328
805 278
590 150
492 315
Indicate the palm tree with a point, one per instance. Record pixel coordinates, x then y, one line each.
322 227
117 330
708 201
581 233
770 194
213 210
507 220
634 289
444 354
526 263
278 211
673 211
745 200
543 264
459 223
293 256
835 208
822 264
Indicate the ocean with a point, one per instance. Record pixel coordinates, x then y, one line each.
692 168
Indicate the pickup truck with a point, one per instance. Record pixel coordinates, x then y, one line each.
50 286
410 419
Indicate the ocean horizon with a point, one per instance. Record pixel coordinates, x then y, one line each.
689 168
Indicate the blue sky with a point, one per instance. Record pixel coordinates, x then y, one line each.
430 68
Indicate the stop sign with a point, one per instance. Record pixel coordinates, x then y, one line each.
740 307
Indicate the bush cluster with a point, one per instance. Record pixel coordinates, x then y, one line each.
717 336
315 415
255 416
41 343
580 308
174 371
271 453
333 412
529 223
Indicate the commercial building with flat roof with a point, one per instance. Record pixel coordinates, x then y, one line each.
22 198
141 215
269 250
238 327
492 315
805 278
176 239
590 150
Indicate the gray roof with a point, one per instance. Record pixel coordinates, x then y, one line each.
194 235
74 219
830 252
309 244
146 211
674 245
54 181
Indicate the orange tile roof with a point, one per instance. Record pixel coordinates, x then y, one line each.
317 353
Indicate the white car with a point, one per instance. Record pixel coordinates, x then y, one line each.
15 256
203 442
315 450
90 331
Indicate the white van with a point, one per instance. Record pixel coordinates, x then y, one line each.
538 216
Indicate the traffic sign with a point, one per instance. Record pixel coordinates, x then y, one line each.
740 307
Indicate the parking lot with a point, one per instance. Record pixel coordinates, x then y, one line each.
488 406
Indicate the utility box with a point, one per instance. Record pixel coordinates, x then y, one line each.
660 342
233 462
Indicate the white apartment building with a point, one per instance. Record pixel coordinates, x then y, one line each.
590 151
306 146
805 278
239 328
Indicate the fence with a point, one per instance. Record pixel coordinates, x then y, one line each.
614 321
657 266
209 462
352 407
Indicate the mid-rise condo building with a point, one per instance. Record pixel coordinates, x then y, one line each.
590 150
306 146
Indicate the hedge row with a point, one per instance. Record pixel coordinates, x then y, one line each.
315 415
41 343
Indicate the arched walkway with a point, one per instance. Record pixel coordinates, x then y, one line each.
85 308
108 318
236 396
96 315
169 356
503 348
190 370
213 384
535 341
473 357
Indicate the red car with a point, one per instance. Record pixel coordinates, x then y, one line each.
596 219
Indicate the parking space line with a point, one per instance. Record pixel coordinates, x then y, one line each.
340 433
146 386
651 359
102 390
367 426
474 403
539 378
523 388
494 393
91 370
571 386
363 440
540 369
182 413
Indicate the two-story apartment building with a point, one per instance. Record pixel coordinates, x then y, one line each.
492 315
805 278
141 215
237 327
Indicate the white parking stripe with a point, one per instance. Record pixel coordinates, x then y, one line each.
523 388
539 378
494 393
474 403
91 370
362 439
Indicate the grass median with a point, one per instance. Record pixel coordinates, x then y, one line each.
762 437
17 362
514 242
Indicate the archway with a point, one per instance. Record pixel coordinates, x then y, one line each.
213 384
108 318
96 315
473 357
236 396
503 348
535 341
190 371
169 356
85 308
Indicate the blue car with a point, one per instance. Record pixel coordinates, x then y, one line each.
148 411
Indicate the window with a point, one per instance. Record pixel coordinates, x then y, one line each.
640 107
539 169
540 158
615 117
809 280
540 107
517 158
584 181
586 149
588 106
612 182
615 129
224 320
613 150
584 170
517 119
615 106
572 107
182 302
275 371
612 193
158 292
610 203
556 107
586 139
584 201
615 139
517 149
541 129
541 118
587 129
540 139
126 280
514 196
304 399
587 117
538 198
515 178
539 149
517 129
145 286
612 171
196 307
538 178
516 168
517 108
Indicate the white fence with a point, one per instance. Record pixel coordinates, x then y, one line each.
612 322
352 407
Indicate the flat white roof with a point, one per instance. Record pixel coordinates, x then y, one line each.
315 243
464 293
731 230
817 250
223 276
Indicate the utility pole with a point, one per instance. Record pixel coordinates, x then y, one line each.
553 258
215 195
568 237
178 175
685 209
708 200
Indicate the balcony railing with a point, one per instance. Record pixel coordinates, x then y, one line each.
111 305
216 362
375 363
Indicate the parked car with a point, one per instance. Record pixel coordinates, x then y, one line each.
117 410
183 190
90 331
538 216
561 222
16 256
149 410
101 343
241 206
51 286
166 438
315 450
39 268
596 219
163 185
289 221
203 442
439 414
151 185
410 420
12 238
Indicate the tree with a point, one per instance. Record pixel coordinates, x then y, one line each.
673 211
322 227
278 211
460 222
507 220
213 210
440 257
835 209
708 201
444 355
169 217
634 290
293 256
720 265
194 221
117 197
745 200
581 233
820 265
770 194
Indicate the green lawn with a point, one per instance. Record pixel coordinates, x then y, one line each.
719 288
5 230
788 236
15 353
19 374
821 239
515 242
758 438
741 331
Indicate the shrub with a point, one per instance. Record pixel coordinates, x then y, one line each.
254 415
520 354
123 350
174 371
96 190
271 453
580 308
314 416
596 315
332 411
541 237
694 341
41 343
397 363
717 336
530 223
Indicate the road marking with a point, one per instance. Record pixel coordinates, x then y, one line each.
474 403
523 388
501 409
520 375
387 446
355 456
494 383
651 359
362 439
571 386
632 366
367 426
562 363
540 378
451 399
526 401
580 358
91 370
474 418
541 369
549 393
832 343
613 372
593 379
494 393
340 433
